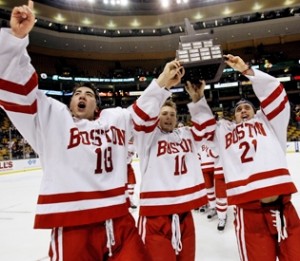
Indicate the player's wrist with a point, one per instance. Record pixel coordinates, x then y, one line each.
245 69
248 71
197 97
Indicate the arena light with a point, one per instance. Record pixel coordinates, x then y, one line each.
165 3
284 79
59 18
124 2
179 2
91 1
175 90
44 76
116 2
226 85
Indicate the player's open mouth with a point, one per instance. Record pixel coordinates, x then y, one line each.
245 117
81 105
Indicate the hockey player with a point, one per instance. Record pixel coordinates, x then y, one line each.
252 150
131 180
82 196
215 185
207 159
221 197
171 180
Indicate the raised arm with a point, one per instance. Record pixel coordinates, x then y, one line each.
22 20
203 120
195 91
145 111
238 64
148 105
171 75
18 79
271 94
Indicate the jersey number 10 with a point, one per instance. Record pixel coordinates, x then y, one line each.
180 165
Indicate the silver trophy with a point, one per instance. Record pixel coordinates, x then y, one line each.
202 60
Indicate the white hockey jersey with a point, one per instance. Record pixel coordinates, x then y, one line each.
84 162
131 152
208 157
172 180
253 152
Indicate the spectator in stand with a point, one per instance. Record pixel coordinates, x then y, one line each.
253 153
83 155
297 116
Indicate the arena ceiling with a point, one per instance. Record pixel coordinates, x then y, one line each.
144 30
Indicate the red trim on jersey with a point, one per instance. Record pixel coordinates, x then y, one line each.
28 109
278 189
21 90
218 169
207 135
204 164
144 128
258 176
279 109
139 112
219 173
207 167
272 97
77 196
204 125
18 88
221 209
174 193
246 196
80 217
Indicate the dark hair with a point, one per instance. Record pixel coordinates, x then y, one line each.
90 86
244 101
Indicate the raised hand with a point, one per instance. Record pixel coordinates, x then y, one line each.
22 20
171 75
236 62
196 91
